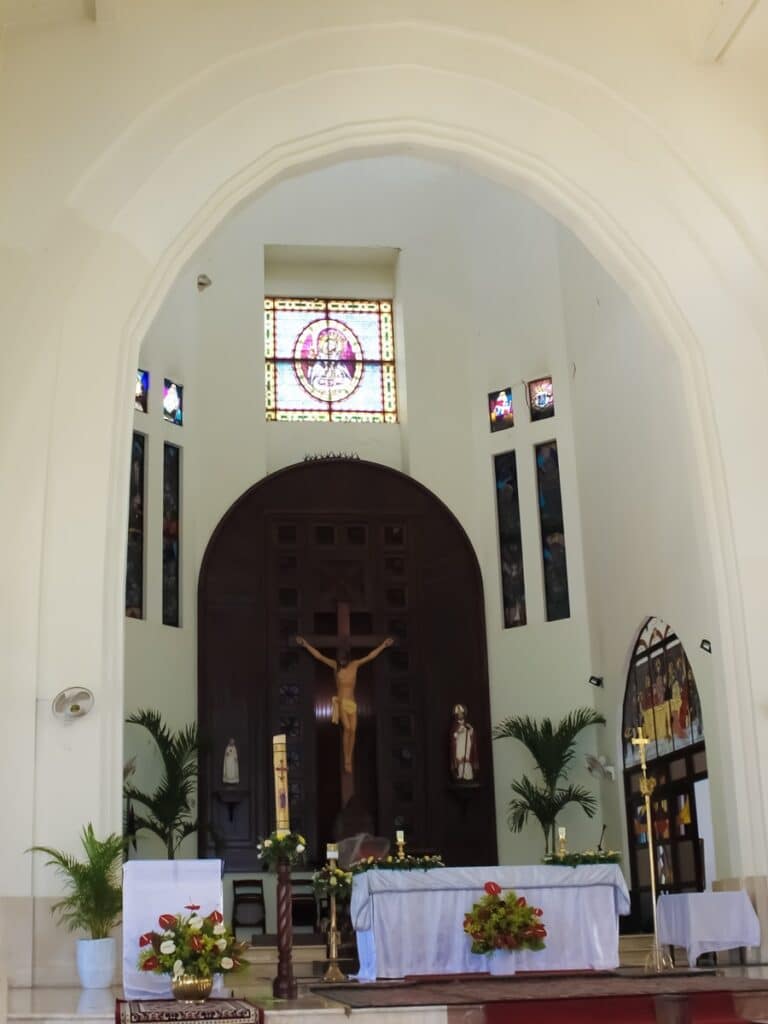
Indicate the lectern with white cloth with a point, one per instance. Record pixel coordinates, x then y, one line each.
411 922
155 887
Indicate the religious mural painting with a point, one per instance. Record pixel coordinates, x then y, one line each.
552 532
501 413
330 360
541 399
510 540
171 527
141 396
662 700
134 575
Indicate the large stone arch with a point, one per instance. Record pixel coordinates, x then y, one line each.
147 202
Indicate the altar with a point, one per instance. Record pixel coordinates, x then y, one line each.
411 922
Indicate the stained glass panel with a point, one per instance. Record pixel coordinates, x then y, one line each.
500 411
541 398
510 540
552 532
142 390
173 402
171 554
329 360
134 575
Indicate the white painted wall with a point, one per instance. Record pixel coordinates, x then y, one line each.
643 535
479 307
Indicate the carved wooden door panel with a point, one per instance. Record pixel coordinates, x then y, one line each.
282 561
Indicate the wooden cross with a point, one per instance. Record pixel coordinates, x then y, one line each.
343 640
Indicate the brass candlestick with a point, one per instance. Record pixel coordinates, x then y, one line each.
333 971
561 842
657 960
400 844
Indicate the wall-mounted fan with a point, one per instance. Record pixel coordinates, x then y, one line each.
73 702
599 767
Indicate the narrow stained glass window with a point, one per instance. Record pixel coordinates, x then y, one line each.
500 411
330 360
134 574
171 519
552 532
142 390
173 402
541 398
510 540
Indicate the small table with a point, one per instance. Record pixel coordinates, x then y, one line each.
705 922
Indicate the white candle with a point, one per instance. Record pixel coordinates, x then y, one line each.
561 832
332 851
282 820
399 836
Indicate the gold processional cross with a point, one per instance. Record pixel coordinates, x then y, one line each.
657 959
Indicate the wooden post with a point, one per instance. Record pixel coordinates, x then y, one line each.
284 986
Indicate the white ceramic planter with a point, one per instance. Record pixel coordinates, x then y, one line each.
96 962
502 962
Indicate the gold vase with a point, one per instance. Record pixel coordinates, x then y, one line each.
188 988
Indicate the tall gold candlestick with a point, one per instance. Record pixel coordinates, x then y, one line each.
279 760
657 960
333 971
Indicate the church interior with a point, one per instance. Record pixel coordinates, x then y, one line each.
376 379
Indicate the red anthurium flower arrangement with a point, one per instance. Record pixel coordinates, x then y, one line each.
191 944
508 922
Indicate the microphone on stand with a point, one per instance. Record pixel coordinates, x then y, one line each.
600 844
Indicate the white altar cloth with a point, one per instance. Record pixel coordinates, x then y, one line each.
155 887
704 922
411 922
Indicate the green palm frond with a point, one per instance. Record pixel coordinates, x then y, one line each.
529 799
574 795
553 748
94 900
168 808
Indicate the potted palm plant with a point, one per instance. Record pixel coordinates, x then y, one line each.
93 902
553 749
167 810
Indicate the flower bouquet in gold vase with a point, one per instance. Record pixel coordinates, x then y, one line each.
191 949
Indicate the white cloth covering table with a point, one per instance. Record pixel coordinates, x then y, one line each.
705 922
411 922
155 887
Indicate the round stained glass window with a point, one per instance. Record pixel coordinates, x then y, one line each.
328 360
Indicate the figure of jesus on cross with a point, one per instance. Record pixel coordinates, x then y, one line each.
344 704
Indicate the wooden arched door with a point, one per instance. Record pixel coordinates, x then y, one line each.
285 556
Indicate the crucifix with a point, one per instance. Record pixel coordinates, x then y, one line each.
344 707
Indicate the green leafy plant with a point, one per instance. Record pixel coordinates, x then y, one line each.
288 846
408 862
575 860
94 901
168 809
553 748
504 922
332 879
